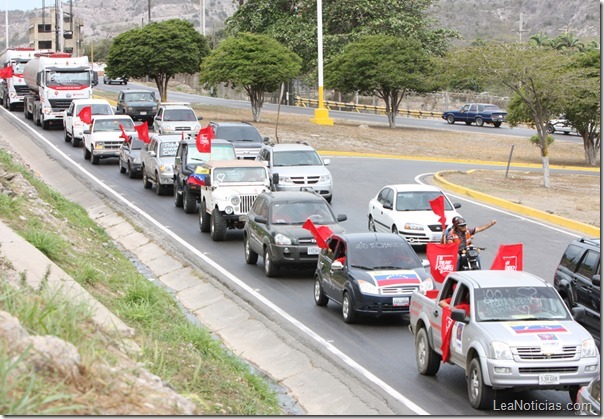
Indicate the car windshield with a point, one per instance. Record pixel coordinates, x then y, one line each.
519 303
372 255
179 115
96 109
239 174
168 149
239 133
299 212
418 201
219 152
113 125
68 78
296 158
139 97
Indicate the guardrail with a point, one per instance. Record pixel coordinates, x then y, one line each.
357 107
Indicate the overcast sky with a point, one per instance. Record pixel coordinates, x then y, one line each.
25 4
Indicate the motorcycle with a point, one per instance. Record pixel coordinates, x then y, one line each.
561 124
468 258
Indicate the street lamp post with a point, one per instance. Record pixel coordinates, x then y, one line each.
321 113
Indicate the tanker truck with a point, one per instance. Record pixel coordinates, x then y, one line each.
54 80
13 88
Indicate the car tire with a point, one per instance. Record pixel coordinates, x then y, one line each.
66 136
395 230
427 360
86 153
480 395
497 124
146 183
177 196
566 132
75 142
479 121
204 218
218 226
131 173
573 391
320 298
450 119
159 189
95 159
550 129
348 313
122 168
189 203
270 269
251 257
371 224
329 198
468 122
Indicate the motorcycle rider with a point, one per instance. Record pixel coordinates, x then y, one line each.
460 233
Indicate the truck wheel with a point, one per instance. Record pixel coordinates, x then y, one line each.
86 153
481 396
348 313
427 360
320 298
11 106
95 159
270 269
45 124
177 196
218 226
497 124
450 119
146 183
37 117
204 218
479 121
188 201
251 257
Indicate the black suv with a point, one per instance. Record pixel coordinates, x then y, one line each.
577 280
187 160
140 105
274 229
245 137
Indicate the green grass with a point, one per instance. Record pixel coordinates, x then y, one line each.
184 354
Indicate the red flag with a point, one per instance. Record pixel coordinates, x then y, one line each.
143 132
442 258
438 207
321 233
508 258
125 136
204 138
445 332
85 115
6 72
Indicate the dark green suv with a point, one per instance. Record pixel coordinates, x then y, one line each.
577 280
274 230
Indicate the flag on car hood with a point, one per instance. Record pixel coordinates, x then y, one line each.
321 233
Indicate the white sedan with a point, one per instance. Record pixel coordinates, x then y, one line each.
405 209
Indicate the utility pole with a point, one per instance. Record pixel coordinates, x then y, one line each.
149 11
6 21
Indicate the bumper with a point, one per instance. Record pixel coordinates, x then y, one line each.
247 154
166 180
294 255
105 153
418 238
526 375
323 189
381 305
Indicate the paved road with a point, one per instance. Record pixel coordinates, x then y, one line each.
383 348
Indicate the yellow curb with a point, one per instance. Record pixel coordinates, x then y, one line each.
517 208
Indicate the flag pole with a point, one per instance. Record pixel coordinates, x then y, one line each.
321 113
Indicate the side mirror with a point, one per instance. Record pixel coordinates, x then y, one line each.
342 217
86 131
326 162
595 280
152 154
260 219
387 206
337 266
208 180
266 140
68 113
456 205
426 264
459 315
199 118
578 313
275 179
177 160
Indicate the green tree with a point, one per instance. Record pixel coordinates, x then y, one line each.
97 51
257 63
539 77
159 50
381 65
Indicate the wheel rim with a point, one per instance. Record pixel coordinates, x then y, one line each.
371 224
346 307
267 262
474 384
247 248
421 351
317 290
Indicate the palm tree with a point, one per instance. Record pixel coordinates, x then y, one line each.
540 39
567 41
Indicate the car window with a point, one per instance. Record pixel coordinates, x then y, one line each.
390 197
473 108
297 158
571 257
381 198
262 208
100 109
589 264
238 133
418 201
168 149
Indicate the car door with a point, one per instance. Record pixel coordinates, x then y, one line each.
120 103
326 259
257 231
472 112
383 212
69 119
586 269
158 120
152 157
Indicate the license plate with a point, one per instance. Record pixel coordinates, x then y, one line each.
143 112
400 301
548 379
437 237
314 250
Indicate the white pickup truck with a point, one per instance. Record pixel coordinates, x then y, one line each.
507 330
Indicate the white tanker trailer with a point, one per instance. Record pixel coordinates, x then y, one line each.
55 79
13 88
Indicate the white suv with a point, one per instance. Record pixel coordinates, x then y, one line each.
73 125
296 167
175 118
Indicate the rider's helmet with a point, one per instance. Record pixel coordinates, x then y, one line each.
458 221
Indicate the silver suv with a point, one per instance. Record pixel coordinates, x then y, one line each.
296 167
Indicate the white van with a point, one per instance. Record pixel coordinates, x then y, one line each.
73 126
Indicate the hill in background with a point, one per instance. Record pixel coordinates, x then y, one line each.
474 19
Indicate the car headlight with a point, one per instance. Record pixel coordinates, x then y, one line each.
426 285
168 127
325 178
413 226
282 239
501 350
368 287
285 179
228 210
588 349
235 200
165 168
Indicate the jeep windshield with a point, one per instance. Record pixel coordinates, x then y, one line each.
519 304
296 158
139 97
239 174
239 134
299 212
